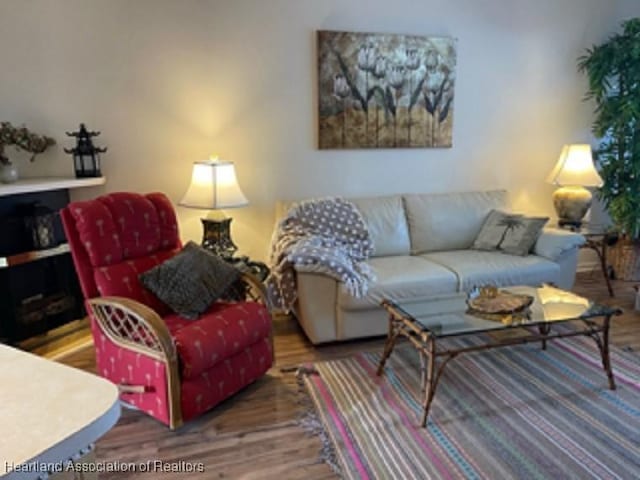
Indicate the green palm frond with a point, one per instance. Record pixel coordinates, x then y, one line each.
613 74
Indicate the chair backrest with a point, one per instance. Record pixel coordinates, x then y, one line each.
116 237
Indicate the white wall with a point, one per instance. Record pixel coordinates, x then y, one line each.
170 82
625 9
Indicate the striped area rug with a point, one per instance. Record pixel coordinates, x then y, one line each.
511 413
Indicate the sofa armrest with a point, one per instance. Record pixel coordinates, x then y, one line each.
553 242
315 308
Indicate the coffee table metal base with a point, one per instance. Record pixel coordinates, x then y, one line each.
427 346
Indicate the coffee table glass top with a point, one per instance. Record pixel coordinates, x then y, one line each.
448 315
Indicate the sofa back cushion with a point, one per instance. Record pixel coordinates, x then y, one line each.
385 218
449 221
387 224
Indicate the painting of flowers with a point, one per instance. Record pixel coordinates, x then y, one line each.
385 90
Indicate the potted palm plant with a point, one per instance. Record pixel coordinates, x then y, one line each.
613 72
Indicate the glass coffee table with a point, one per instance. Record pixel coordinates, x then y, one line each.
428 324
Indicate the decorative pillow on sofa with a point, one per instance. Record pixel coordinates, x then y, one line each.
510 233
190 281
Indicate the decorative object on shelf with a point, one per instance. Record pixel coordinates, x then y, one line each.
385 90
612 70
39 222
214 187
86 156
573 172
8 173
22 139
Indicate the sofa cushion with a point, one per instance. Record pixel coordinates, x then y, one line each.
449 221
400 278
204 391
387 224
474 267
224 330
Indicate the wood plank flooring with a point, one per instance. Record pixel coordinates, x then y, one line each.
255 434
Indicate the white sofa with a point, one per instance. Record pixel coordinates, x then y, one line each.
422 250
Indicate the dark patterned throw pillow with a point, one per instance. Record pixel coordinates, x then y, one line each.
510 233
191 281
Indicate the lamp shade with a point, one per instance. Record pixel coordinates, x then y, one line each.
575 168
213 186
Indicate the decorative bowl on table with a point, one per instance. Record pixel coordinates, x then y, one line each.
494 304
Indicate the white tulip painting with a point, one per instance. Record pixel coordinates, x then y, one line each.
384 90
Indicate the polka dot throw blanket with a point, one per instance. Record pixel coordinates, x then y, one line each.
326 236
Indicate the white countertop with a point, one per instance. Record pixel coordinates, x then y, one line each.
49 411
32 185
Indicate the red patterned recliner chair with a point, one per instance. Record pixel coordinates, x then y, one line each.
169 367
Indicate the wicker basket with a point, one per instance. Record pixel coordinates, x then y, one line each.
624 258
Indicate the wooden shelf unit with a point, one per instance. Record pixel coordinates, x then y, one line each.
40 287
26 257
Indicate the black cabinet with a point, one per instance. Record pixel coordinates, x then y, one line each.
39 289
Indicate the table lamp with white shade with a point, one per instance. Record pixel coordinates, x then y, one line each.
214 187
573 172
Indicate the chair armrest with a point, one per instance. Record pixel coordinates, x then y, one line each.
256 291
133 326
553 242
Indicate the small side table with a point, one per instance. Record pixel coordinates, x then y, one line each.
246 265
598 238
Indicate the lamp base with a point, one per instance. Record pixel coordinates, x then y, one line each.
216 237
571 204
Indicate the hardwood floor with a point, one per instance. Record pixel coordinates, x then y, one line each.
255 434
625 332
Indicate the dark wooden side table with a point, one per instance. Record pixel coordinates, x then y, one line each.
239 290
246 265
598 238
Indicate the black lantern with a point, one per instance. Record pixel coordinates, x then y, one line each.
40 224
86 156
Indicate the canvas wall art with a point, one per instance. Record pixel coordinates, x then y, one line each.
385 90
